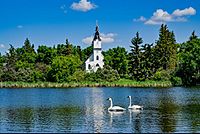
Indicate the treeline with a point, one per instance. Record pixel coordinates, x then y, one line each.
165 60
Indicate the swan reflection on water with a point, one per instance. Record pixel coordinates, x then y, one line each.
135 118
114 114
134 114
131 116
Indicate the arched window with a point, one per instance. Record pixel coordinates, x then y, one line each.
97 57
97 65
89 66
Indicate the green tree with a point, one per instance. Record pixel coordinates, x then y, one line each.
147 59
1 60
28 47
135 57
166 49
193 36
69 48
1 67
45 54
79 52
189 69
62 67
86 53
9 69
27 52
117 59
24 71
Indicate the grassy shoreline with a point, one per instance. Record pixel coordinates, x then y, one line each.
120 83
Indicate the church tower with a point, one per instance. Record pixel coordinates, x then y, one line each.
95 61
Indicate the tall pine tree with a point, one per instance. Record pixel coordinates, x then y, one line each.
135 59
165 49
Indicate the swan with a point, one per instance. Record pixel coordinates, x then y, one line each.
114 108
134 107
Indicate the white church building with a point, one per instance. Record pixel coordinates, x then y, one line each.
95 61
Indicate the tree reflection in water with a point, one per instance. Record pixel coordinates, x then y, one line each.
192 113
40 119
167 110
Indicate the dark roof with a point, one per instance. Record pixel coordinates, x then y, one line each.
97 35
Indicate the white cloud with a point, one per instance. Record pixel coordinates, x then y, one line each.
152 22
141 19
19 26
160 16
184 12
88 40
2 46
83 5
106 38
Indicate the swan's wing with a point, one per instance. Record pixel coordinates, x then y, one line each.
136 106
118 108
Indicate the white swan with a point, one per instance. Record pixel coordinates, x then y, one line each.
134 107
114 108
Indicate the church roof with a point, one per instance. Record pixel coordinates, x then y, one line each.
97 34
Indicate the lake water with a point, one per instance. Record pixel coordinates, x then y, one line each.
85 110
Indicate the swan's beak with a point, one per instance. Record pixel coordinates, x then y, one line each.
107 99
127 96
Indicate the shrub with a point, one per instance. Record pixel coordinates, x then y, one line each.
78 76
161 75
176 81
106 74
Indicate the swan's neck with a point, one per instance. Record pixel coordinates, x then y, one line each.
129 101
111 104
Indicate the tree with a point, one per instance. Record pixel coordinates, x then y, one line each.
65 49
147 59
27 52
86 53
193 36
45 54
79 52
11 55
189 69
68 48
61 50
9 69
135 57
117 59
165 49
62 67
28 48
1 60
1 67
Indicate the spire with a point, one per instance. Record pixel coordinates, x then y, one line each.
97 35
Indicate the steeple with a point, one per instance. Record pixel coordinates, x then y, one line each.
97 35
95 61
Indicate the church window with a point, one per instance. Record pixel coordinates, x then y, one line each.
97 57
97 65
89 66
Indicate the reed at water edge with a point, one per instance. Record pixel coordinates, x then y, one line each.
120 83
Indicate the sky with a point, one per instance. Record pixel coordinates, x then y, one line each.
50 22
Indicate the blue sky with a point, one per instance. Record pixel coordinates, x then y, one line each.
49 22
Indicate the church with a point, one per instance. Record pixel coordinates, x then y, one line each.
95 61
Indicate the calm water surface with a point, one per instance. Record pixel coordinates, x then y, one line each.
85 110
